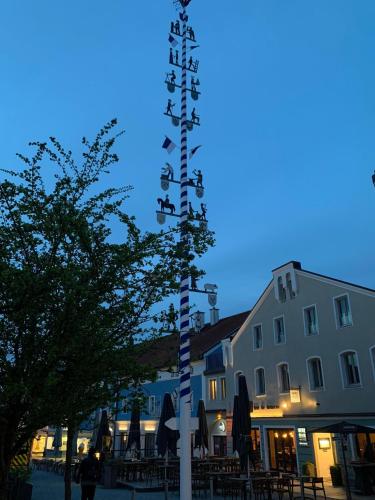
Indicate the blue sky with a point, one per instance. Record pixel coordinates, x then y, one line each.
287 120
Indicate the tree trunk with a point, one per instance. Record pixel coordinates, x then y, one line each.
4 474
5 460
68 462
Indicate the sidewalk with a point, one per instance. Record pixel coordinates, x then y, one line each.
50 486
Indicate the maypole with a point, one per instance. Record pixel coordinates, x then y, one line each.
185 390
180 35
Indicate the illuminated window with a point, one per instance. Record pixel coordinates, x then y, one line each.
212 388
302 436
223 387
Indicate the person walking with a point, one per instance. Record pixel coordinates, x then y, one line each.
88 475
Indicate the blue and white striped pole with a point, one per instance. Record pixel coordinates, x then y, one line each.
185 408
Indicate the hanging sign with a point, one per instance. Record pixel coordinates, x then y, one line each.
295 395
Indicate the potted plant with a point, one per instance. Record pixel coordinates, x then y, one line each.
308 469
336 475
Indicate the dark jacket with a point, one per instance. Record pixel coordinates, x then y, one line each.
89 470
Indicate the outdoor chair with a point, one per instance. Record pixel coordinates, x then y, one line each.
292 481
281 487
259 488
315 484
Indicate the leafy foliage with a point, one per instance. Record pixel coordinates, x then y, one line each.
74 303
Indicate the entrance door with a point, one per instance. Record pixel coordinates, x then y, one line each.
324 458
220 446
282 450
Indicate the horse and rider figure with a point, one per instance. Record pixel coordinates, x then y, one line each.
166 204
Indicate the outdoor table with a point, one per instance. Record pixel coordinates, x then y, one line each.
267 481
214 475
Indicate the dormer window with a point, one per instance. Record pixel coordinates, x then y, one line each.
289 286
282 291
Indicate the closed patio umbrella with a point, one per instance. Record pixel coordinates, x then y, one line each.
95 429
103 436
343 428
134 438
166 438
57 440
201 434
235 425
244 422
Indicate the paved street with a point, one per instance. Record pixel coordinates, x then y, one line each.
50 486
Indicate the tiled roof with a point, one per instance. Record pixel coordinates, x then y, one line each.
163 352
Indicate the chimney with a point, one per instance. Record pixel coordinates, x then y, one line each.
198 321
214 316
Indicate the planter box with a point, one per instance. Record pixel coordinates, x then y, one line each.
110 476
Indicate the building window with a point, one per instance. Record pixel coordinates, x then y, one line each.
260 382
212 383
125 405
123 443
372 354
282 291
311 320
343 313
149 444
350 369
283 376
279 330
236 381
315 373
289 286
223 387
257 337
152 405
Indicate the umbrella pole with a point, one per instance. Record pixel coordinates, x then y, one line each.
165 477
347 485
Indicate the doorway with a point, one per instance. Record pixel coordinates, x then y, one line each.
282 450
220 446
324 457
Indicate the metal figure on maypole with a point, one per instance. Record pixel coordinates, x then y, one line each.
180 35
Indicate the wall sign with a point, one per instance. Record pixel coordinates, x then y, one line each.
302 436
295 395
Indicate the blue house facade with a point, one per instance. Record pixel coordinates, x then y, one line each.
163 355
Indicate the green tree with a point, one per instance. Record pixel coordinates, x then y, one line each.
74 303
